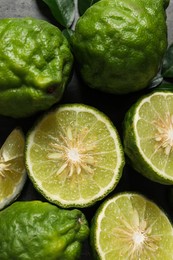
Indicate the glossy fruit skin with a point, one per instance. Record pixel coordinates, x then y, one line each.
36 64
118 45
39 230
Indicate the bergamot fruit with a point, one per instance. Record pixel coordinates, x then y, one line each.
74 155
38 230
35 66
12 167
148 136
129 226
119 44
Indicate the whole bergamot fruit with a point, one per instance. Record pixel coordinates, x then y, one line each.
35 67
39 230
119 44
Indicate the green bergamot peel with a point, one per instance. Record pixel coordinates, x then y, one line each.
35 67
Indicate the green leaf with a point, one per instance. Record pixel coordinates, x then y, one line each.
83 5
68 34
167 66
165 86
62 10
157 80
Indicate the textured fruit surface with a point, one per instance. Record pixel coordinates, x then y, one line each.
38 230
118 45
74 155
129 226
12 167
35 66
148 136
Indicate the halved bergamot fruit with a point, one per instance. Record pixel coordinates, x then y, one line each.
148 136
74 155
128 226
12 167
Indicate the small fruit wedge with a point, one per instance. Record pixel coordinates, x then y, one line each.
148 136
129 226
74 155
12 167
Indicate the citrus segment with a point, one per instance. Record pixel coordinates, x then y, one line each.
129 226
12 167
74 155
148 136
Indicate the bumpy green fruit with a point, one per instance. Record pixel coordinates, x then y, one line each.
119 44
39 230
35 66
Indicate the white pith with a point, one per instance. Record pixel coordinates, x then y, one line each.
76 156
137 236
163 136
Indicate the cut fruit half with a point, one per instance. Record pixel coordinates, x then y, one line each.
148 136
12 167
129 226
74 155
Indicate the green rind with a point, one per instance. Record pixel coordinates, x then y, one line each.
131 149
41 230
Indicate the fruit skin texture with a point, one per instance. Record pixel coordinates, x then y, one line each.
36 64
41 230
118 45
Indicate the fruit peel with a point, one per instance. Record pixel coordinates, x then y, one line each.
36 66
